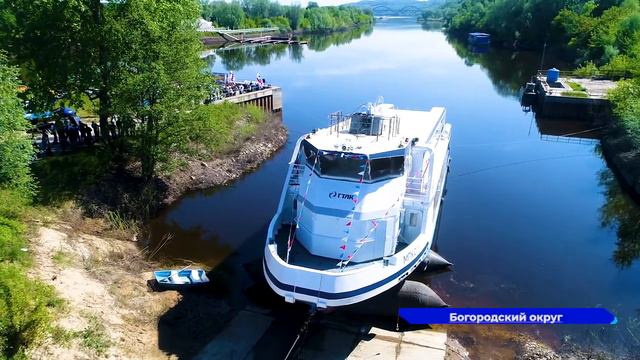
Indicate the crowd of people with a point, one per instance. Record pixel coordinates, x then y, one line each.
228 86
64 130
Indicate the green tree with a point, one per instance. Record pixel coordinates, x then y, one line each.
295 13
16 151
162 78
62 49
229 15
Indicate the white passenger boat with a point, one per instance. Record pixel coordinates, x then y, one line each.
359 207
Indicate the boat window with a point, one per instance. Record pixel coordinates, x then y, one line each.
385 168
341 165
309 153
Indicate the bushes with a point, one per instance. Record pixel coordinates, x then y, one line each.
24 310
221 127
16 151
24 303
626 105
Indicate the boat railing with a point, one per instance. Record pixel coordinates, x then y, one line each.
417 188
338 122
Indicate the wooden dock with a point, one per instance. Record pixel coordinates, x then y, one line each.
560 99
268 99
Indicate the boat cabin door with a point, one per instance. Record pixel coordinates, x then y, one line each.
412 224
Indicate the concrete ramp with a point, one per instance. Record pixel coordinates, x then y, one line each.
238 338
382 344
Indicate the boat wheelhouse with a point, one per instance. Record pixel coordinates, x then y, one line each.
359 206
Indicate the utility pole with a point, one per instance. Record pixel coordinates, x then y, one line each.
544 50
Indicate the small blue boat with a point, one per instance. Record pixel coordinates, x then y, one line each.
181 278
477 38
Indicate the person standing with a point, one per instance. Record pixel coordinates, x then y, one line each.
96 131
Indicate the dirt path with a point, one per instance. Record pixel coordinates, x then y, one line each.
110 313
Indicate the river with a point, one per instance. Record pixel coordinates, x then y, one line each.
530 219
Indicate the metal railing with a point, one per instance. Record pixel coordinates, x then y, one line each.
338 122
417 188
596 74
390 126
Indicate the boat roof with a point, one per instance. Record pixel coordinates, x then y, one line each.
412 124
478 34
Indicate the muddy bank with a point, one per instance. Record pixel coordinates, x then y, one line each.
200 175
506 343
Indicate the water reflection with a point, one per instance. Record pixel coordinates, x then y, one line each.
432 25
508 70
323 42
236 58
620 213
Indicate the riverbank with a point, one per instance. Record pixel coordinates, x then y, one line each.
623 157
240 159
97 262
103 186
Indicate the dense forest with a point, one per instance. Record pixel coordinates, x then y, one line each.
598 36
267 13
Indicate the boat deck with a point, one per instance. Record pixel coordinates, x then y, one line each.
301 257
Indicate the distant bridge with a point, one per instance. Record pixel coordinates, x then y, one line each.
384 10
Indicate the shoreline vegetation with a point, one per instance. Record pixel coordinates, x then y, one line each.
597 36
293 19
73 263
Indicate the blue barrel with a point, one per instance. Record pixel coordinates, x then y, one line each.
553 75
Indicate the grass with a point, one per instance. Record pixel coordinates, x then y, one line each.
62 178
62 259
576 87
576 94
85 107
119 222
26 305
222 127
94 337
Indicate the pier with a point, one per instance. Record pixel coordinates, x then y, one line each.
569 96
243 36
268 99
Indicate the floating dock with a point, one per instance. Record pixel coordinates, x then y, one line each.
570 97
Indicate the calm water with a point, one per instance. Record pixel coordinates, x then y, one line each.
528 220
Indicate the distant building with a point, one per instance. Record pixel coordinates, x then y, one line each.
204 25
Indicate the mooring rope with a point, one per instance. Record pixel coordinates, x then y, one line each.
301 333
515 163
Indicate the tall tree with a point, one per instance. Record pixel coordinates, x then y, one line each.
162 78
